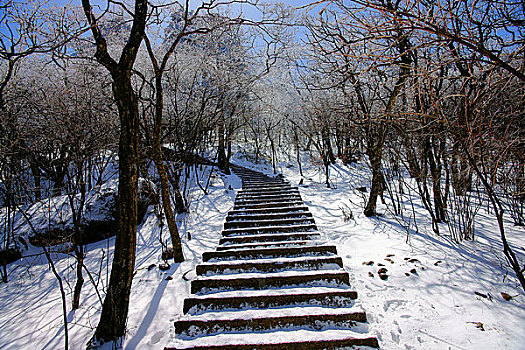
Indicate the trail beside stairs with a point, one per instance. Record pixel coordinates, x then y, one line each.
272 283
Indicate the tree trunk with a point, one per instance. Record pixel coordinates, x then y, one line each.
112 324
222 160
178 255
377 140
435 172
375 155
79 256
274 156
298 151
229 153
327 145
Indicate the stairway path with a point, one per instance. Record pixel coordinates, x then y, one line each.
272 283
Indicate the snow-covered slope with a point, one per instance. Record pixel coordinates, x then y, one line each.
428 301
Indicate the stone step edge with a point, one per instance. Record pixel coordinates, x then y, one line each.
268 223
269 189
258 200
273 210
301 345
268 193
272 237
269 244
282 204
231 232
300 251
269 216
344 298
314 264
266 281
196 327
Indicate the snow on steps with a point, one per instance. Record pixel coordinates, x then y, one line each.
270 194
251 196
273 210
270 265
273 237
282 340
269 190
265 223
269 229
265 300
264 281
268 205
274 243
263 200
269 216
196 326
270 284
315 250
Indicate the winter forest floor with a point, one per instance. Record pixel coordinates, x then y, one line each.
429 300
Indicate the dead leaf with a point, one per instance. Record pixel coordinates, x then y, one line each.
506 296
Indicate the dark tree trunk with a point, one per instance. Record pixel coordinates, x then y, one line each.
274 156
174 179
229 154
222 159
58 185
326 171
375 155
79 255
327 144
435 171
178 255
377 139
115 309
112 324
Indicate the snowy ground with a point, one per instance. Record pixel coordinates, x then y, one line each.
435 305
432 307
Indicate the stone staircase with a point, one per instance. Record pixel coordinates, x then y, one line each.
271 283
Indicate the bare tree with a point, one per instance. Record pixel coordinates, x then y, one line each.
112 324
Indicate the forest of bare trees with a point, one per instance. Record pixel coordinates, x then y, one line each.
428 90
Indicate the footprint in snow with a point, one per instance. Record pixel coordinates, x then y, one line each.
157 337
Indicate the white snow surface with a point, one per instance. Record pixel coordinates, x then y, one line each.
434 308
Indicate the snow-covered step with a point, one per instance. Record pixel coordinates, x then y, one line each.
263 183
262 178
308 227
275 199
273 280
267 192
264 300
303 264
266 205
355 339
272 237
268 253
267 201
260 185
196 325
269 216
269 189
263 245
267 195
272 210
264 223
